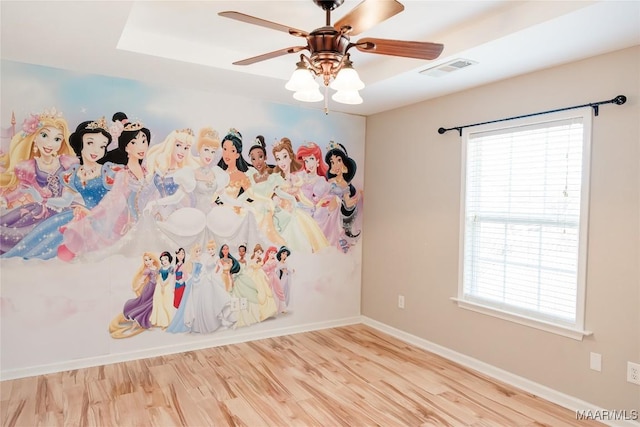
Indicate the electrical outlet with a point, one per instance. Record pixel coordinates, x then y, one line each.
596 362
243 304
633 372
400 301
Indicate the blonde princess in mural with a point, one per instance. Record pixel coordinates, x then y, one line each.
295 225
31 184
136 313
172 168
211 180
202 183
209 305
84 186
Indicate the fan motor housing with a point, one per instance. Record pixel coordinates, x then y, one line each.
328 40
328 4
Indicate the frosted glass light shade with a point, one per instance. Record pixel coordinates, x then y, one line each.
347 79
347 97
309 95
301 79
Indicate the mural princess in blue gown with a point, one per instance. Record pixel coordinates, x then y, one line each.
85 185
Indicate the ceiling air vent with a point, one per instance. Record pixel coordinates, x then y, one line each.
447 67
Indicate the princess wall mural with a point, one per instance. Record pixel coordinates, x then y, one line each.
134 224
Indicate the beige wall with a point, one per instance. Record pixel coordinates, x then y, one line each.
412 222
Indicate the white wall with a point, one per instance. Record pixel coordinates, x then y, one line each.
413 211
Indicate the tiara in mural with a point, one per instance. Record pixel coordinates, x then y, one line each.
278 144
98 124
35 121
188 131
211 134
235 132
335 146
133 126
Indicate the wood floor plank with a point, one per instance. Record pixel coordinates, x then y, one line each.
346 376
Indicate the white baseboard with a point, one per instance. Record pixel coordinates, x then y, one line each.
529 386
242 335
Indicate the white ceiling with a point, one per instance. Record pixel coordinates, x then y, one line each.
186 44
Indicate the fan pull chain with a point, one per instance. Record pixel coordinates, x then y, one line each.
326 100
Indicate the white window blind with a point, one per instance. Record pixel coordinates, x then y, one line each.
524 218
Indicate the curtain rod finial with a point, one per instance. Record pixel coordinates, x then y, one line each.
620 99
441 131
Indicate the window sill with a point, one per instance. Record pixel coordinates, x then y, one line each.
576 334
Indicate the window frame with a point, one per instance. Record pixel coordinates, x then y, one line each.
574 330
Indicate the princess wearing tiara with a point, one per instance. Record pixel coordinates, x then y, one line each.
84 187
233 219
121 208
258 157
266 302
208 307
263 184
171 165
319 203
270 268
294 224
211 180
342 169
31 184
187 225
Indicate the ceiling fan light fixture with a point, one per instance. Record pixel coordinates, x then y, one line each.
301 79
347 79
328 47
309 95
351 97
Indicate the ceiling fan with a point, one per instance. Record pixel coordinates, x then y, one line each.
329 46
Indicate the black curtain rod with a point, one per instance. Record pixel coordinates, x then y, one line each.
619 100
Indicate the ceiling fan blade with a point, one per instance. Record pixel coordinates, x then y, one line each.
270 55
407 49
367 14
263 23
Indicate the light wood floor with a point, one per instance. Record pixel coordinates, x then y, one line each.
347 376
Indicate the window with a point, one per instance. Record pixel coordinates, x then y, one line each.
524 220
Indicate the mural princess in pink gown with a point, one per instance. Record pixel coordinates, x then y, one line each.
121 208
